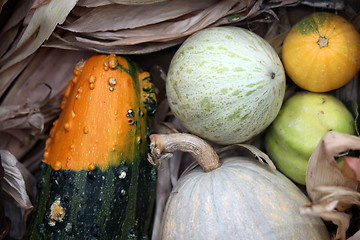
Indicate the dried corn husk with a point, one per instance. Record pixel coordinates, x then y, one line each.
18 187
333 192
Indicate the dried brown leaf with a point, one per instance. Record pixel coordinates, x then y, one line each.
11 28
325 211
278 30
70 43
39 3
166 31
42 24
351 167
329 4
260 155
137 2
34 83
333 205
16 192
151 37
116 17
2 3
93 3
356 236
322 168
9 75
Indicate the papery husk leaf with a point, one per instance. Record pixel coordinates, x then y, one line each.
322 168
332 205
93 3
356 236
278 31
166 31
11 28
156 39
351 167
39 3
326 4
71 43
34 83
42 24
16 193
115 17
260 155
137 2
2 3
16 116
98 3
341 219
26 126
244 10
8 75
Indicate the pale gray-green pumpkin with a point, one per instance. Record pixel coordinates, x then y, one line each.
237 198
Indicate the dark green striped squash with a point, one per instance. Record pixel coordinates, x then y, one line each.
96 182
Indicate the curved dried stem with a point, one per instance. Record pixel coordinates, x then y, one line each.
162 145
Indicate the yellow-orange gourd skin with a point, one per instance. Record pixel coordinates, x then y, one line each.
102 116
325 65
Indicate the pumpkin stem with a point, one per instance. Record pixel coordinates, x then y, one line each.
162 145
323 42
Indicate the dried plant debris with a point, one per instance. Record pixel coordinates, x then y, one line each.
19 190
334 191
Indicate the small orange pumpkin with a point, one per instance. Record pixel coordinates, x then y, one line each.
322 52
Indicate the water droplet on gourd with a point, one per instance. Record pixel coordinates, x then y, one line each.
92 86
57 165
41 228
78 94
75 79
68 160
130 113
113 61
91 166
123 192
112 81
106 66
68 228
92 79
47 142
72 147
67 91
67 126
111 89
122 174
63 103
86 130
139 139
